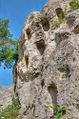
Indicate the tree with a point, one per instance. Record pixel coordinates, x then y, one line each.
8 46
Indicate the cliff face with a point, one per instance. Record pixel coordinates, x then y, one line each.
6 96
48 64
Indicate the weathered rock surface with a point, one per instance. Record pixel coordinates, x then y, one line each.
48 65
6 96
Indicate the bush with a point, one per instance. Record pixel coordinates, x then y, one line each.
74 5
11 112
58 113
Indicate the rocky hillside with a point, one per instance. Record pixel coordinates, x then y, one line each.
47 73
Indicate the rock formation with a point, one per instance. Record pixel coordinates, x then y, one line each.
48 64
6 96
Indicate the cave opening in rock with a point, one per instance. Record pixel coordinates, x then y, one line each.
60 13
53 93
28 32
45 24
41 46
26 61
76 29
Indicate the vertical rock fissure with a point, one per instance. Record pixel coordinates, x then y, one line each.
60 13
41 46
27 61
53 93
45 24
28 32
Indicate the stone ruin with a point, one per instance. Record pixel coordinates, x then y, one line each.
48 65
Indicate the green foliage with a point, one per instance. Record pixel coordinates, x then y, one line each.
58 21
61 18
53 107
58 116
62 110
58 112
8 47
11 112
74 5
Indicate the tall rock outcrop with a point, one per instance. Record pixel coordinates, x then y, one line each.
48 64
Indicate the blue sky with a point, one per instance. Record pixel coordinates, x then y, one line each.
16 11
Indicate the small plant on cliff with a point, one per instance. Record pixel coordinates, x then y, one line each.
58 21
11 112
74 5
58 113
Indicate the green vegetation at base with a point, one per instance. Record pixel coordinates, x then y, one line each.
8 46
58 113
11 112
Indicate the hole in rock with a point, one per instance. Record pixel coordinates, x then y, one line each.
45 24
42 83
26 61
65 69
74 59
60 13
76 30
28 33
41 46
53 93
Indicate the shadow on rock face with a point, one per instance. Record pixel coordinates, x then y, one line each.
53 93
